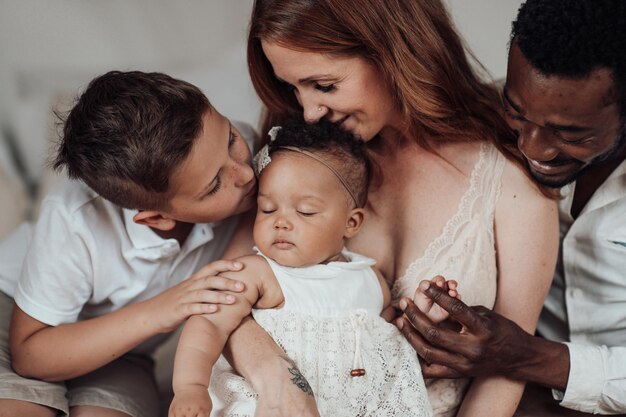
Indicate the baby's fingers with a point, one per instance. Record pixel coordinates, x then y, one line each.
452 289
439 281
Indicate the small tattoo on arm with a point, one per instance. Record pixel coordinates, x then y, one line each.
300 380
297 378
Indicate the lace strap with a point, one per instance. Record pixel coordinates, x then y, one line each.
491 181
481 196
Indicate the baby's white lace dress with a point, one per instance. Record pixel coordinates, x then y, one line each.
329 325
465 251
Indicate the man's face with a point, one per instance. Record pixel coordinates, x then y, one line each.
563 125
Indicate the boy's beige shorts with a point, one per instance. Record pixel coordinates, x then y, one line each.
126 385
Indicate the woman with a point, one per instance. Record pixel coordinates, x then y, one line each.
446 200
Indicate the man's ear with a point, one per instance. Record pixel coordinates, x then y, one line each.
354 222
155 220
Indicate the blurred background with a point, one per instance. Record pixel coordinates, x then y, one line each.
50 49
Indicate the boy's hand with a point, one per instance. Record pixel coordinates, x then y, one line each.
198 294
191 402
426 304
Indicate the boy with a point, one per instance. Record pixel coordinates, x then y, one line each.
161 173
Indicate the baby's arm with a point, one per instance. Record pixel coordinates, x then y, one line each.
427 306
389 312
204 336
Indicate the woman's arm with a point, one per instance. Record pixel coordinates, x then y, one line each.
526 233
256 357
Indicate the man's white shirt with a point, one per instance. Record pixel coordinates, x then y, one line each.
586 306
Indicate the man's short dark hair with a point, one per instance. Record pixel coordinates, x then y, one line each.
347 154
128 132
572 38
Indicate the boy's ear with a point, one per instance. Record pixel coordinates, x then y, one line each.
354 222
155 220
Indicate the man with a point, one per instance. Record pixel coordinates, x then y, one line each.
565 96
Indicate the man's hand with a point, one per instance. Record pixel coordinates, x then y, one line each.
191 402
488 344
198 294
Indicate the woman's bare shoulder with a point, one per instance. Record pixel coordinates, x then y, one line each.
462 155
521 201
518 185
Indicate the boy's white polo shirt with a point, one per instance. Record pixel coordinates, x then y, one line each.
87 258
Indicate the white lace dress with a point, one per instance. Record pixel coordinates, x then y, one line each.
465 251
329 325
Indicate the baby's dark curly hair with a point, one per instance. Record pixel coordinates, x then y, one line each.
346 153
572 38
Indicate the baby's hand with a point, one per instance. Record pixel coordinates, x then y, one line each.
191 403
427 306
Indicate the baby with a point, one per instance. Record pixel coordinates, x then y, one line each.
321 303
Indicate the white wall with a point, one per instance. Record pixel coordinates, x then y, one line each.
49 47
56 46
486 25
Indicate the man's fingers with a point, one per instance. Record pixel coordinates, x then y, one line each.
435 370
424 350
459 311
435 335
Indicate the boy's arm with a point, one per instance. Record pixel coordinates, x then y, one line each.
58 353
204 336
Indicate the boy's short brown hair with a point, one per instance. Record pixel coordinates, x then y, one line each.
128 132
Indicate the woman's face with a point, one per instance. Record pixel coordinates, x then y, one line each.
347 90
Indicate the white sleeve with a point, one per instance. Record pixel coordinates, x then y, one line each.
57 278
597 379
13 250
